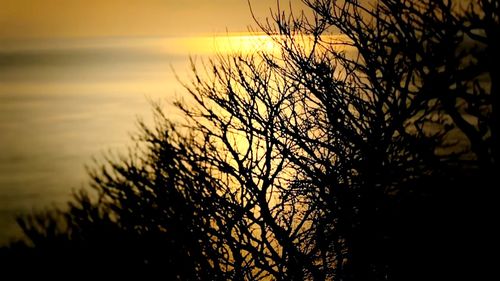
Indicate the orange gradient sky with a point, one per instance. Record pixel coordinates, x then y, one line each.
118 18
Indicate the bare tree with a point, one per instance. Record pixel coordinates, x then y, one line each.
150 212
359 136
363 148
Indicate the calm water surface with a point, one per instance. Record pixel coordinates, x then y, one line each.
63 102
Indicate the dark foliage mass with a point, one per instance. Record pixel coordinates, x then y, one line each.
364 149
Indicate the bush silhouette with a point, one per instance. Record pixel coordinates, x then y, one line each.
364 149
149 213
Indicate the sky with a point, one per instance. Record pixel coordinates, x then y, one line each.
119 18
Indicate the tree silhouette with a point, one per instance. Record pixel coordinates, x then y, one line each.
150 213
364 149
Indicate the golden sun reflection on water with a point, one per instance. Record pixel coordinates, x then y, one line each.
243 43
240 43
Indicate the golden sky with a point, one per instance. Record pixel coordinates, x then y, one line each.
97 18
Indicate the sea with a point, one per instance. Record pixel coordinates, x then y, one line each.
65 103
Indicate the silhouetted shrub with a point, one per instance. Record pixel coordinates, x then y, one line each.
364 149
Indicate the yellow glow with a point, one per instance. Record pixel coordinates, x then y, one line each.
241 43
244 44
230 44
